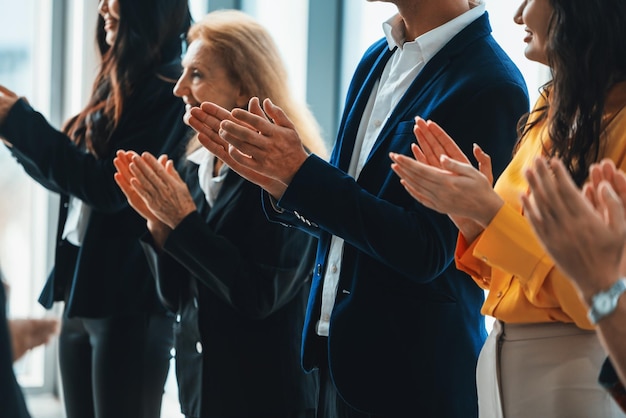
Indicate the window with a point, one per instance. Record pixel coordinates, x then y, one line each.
25 67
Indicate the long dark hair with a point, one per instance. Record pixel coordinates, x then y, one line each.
150 33
586 52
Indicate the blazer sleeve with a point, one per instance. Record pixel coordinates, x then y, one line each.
384 222
170 277
253 265
152 118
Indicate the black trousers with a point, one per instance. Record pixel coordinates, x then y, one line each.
115 367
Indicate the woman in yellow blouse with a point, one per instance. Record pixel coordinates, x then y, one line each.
542 358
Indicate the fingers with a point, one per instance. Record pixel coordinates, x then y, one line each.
619 185
254 107
121 162
206 120
6 92
614 207
250 121
279 117
543 189
484 162
427 142
460 168
148 176
418 154
441 142
248 141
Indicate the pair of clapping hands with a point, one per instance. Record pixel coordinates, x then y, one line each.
584 231
268 152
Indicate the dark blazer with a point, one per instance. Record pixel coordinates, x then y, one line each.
239 285
12 403
108 274
406 330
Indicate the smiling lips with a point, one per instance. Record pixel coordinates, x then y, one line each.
529 36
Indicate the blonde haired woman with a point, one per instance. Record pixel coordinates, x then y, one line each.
238 282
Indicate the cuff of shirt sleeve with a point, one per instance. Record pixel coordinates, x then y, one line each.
509 244
465 261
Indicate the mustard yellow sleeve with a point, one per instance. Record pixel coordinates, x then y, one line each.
509 244
465 261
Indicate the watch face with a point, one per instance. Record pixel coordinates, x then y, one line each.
603 303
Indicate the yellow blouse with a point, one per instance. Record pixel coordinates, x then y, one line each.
508 260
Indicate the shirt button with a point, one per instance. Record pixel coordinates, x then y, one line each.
378 122
485 259
499 294
199 347
333 269
173 352
178 318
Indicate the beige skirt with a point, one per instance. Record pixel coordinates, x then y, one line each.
542 370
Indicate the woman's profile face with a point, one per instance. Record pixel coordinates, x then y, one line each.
204 79
110 12
535 16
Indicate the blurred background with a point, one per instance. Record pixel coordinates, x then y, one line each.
47 55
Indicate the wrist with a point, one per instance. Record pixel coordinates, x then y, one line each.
491 208
604 302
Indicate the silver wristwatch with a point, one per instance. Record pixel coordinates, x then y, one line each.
604 303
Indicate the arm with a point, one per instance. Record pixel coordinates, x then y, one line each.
435 180
585 237
375 214
253 265
151 121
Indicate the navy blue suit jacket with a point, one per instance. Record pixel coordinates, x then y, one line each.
406 328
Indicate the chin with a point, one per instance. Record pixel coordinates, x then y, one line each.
110 38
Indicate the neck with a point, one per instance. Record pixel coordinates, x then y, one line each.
421 16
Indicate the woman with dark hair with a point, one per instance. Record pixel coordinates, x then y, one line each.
238 282
116 337
543 357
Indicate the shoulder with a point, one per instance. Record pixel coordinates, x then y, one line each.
158 86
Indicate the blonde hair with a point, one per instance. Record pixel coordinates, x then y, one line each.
252 61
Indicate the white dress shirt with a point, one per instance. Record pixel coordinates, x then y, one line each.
209 184
404 65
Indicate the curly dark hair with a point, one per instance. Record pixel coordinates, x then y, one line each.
586 53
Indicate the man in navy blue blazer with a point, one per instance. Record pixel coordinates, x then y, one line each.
394 328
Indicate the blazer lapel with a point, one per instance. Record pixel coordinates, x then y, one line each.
342 152
411 104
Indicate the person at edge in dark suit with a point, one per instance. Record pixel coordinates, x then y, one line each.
394 328
17 336
116 337
238 282
542 330
12 404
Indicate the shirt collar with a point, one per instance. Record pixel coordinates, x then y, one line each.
431 42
